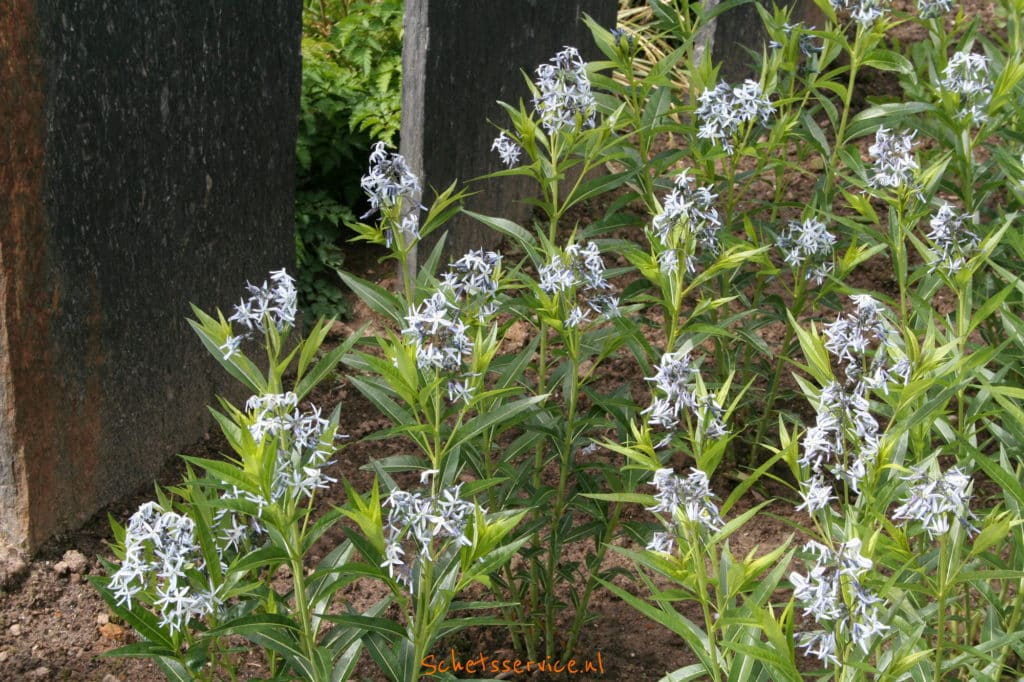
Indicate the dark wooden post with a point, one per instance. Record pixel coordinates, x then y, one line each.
460 58
146 160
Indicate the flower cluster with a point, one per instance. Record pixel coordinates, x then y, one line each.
438 333
564 99
844 440
578 274
160 551
935 502
508 150
424 525
389 180
967 75
234 528
852 336
303 445
806 43
724 109
690 498
808 243
932 9
623 39
954 243
678 391
473 281
864 12
826 591
276 302
438 327
895 165
688 221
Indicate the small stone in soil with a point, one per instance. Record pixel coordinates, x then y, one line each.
15 630
12 566
73 562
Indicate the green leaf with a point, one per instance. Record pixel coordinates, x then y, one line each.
506 227
324 367
817 134
885 115
138 617
377 297
367 623
887 60
397 414
384 655
667 616
504 415
629 498
272 631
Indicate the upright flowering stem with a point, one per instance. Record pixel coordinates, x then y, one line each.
558 510
940 605
898 245
710 628
422 639
799 297
295 561
861 45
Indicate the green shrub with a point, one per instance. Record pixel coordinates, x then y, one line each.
351 90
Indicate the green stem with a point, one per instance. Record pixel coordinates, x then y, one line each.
307 635
558 509
532 634
594 568
552 188
799 298
940 605
699 571
844 118
421 620
963 318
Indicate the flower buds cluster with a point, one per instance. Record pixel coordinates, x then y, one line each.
388 179
932 9
829 587
677 393
967 75
303 445
844 440
275 302
682 498
564 98
895 165
160 550
954 243
808 243
419 527
864 12
439 327
578 273
688 221
723 109
508 150
936 502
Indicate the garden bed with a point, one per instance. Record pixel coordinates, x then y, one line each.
53 624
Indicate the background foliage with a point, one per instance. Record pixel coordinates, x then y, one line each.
351 96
